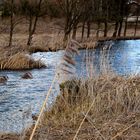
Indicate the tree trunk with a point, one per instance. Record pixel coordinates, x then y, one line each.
125 28
116 29
67 29
120 28
66 36
67 33
98 30
29 40
11 24
136 25
32 26
30 31
65 39
83 29
105 29
74 31
88 29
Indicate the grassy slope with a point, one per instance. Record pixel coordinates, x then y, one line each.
114 114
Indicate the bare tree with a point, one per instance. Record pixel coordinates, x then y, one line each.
72 10
116 29
32 10
12 9
84 18
136 25
137 18
105 12
74 31
33 20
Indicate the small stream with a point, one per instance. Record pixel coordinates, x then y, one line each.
19 98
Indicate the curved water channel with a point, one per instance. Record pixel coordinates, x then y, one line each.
19 98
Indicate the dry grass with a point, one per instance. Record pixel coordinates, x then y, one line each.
115 113
47 42
9 137
34 49
19 61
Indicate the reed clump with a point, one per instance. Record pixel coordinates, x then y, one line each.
19 61
114 115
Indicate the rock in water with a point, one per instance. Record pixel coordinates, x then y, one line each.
27 75
3 79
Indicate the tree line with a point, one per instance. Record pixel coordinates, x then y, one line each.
76 13
100 12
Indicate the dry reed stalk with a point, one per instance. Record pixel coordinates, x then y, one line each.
66 71
83 120
69 60
67 66
120 133
42 108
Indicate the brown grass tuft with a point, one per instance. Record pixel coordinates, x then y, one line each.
19 61
115 113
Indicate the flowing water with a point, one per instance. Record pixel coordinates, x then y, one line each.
20 98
